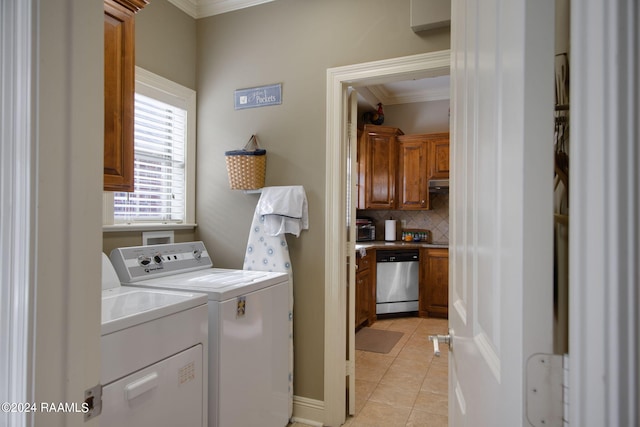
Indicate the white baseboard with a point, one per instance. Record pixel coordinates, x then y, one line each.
308 411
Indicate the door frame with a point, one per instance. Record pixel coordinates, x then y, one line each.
17 143
335 324
52 236
604 312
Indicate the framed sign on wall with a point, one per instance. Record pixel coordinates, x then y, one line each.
261 96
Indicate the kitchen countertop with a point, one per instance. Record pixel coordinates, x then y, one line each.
398 244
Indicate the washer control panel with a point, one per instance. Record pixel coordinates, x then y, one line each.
137 263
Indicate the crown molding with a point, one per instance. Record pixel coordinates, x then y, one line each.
204 8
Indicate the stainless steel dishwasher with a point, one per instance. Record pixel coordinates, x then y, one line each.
397 280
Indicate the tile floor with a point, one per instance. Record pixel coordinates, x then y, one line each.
407 386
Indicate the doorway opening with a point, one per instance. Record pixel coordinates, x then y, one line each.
336 328
401 280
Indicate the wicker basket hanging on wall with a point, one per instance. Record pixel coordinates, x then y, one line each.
247 167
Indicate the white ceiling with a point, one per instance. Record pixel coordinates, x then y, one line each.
389 93
406 92
203 8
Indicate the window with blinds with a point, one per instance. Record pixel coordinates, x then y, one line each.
159 165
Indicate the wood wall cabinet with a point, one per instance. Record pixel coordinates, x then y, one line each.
119 88
439 156
434 283
413 174
394 169
422 157
377 163
365 289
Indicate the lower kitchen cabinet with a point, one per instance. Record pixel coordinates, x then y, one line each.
434 283
365 292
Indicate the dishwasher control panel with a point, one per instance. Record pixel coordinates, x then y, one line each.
397 255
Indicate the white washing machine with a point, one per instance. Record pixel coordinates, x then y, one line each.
248 328
154 348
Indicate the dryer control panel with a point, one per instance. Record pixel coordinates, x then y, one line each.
143 262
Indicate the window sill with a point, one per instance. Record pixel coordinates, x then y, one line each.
147 227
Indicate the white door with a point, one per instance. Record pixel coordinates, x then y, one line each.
501 248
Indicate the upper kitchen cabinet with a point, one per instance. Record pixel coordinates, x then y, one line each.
421 158
394 169
439 155
377 163
413 175
119 87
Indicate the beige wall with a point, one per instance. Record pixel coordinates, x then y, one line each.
166 42
290 42
418 117
120 239
165 45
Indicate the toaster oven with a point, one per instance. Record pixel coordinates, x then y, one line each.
365 230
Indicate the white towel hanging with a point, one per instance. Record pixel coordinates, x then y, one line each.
285 210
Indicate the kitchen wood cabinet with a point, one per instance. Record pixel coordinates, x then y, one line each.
377 163
365 289
394 169
413 187
439 156
434 283
119 88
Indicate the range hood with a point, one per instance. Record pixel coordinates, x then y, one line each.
439 186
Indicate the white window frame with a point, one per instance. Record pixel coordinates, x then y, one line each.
157 87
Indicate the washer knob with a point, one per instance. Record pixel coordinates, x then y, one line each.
197 253
144 260
157 258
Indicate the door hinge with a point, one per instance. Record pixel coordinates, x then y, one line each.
93 402
351 247
350 368
547 390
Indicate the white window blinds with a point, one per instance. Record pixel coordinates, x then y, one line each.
159 165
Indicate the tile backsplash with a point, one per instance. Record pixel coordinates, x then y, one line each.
436 219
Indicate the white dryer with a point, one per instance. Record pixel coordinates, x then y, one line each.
154 346
248 328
